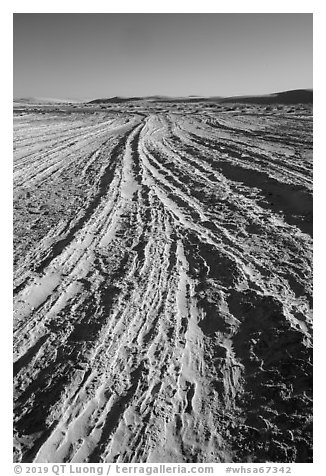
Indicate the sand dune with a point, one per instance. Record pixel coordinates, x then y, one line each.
163 285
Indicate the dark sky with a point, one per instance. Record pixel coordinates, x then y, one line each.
86 56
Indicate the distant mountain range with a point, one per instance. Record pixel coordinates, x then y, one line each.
118 99
295 96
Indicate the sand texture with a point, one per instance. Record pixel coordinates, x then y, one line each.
162 283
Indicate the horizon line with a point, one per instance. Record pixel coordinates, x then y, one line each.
15 98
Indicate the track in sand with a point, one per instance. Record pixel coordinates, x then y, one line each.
162 287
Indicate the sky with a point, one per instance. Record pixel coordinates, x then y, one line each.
88 56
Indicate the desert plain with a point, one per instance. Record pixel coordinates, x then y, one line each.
162 282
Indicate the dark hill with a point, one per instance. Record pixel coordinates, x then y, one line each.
296 96
114 100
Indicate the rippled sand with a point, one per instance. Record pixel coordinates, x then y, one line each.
163 284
